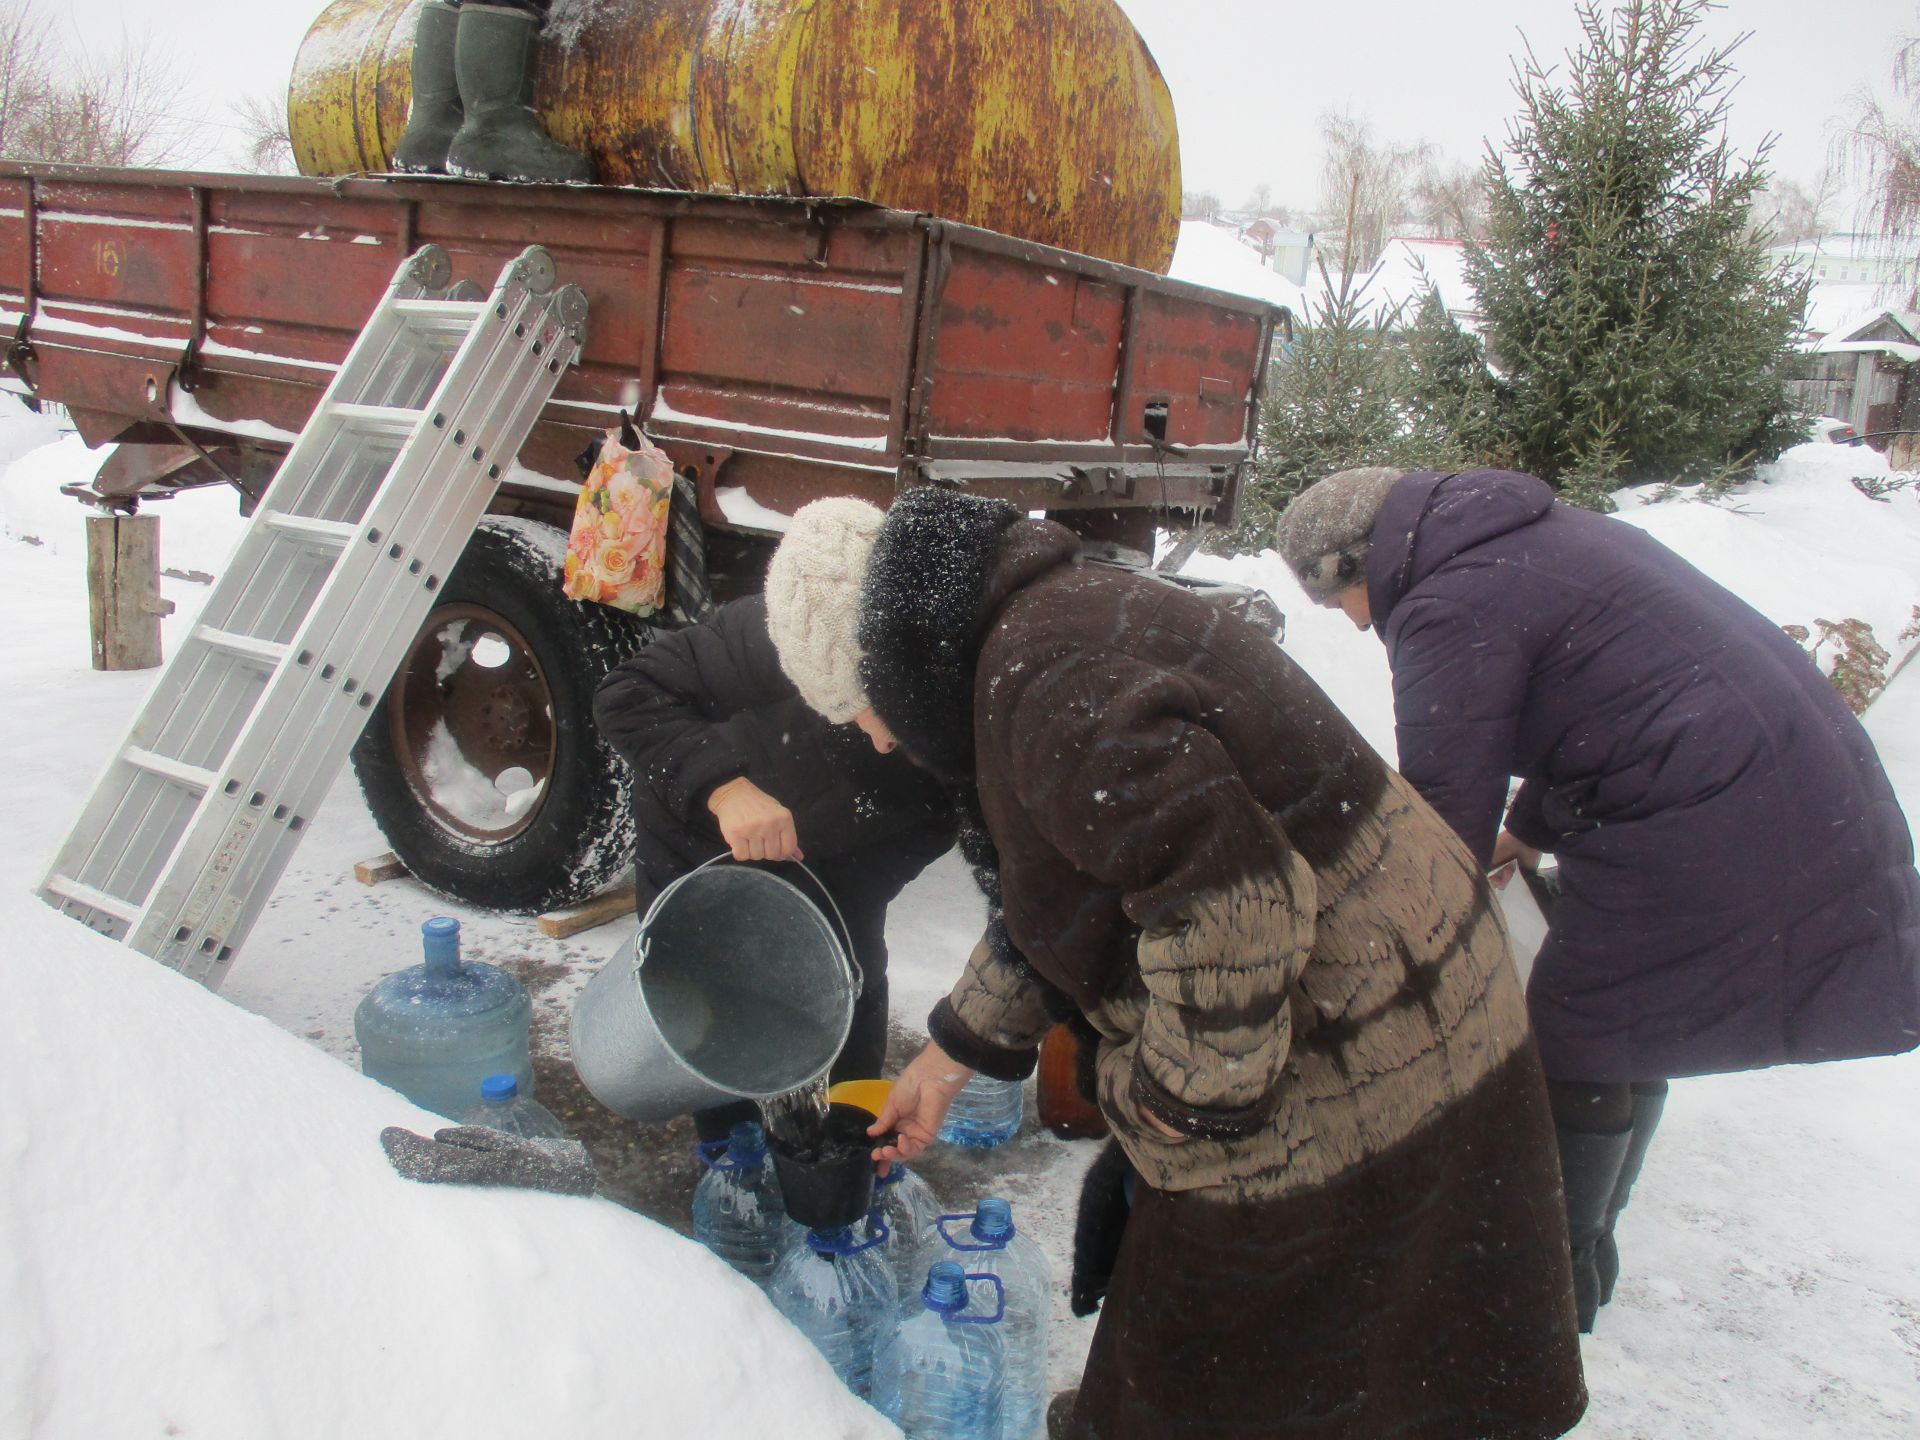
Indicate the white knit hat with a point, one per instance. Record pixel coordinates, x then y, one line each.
813 602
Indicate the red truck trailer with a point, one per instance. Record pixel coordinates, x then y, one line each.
778 350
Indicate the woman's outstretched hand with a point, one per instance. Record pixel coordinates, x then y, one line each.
918 1104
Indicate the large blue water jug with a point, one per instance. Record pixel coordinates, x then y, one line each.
736 1205
838 1292
985 1113
435 1030
939 1374
987 1242
907 1204
501 1106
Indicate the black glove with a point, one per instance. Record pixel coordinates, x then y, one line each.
1096 1233
476 1155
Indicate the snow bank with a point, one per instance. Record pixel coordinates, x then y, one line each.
204 1238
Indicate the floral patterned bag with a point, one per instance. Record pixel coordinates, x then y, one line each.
618 551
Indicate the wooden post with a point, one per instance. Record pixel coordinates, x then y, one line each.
123 591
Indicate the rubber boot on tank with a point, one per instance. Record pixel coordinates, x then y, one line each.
1589 1170
500 137
435 115
1648 1102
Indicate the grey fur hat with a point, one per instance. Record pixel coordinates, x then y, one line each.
1324 535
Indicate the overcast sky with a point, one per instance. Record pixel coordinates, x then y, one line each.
1250 78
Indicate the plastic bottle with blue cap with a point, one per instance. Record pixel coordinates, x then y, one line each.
991 1244
837 1290
502 1107
736 1206
940 1374
436 1030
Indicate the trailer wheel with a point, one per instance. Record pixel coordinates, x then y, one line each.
481 763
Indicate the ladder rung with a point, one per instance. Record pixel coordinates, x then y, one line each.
232 641
394 419
453 312
168 768
67 888
330 532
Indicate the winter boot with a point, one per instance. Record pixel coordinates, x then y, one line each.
500 138
1589 1170
1648 1102
435 114
1060 1414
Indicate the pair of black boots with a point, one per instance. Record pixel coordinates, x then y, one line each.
473 71
1598 1171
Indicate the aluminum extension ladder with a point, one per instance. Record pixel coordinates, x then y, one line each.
203 804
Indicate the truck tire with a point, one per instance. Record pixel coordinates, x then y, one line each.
481 763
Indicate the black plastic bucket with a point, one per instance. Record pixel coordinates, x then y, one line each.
834 1185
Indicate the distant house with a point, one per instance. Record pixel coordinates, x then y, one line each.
1853 258
1865 374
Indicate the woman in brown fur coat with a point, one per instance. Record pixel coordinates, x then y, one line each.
1314 1049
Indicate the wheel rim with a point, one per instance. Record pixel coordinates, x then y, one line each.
471 718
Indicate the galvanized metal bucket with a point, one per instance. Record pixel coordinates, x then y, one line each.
736 986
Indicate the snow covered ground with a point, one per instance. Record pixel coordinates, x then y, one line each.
199 1235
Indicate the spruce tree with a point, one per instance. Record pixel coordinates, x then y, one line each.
1633 324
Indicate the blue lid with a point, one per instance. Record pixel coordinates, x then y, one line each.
993 1220
835 1240
440 937
499 1087
946 1287
895 1174
747 1142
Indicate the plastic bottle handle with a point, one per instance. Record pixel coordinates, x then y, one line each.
713 1155
1000 1302
941 1226
881 1233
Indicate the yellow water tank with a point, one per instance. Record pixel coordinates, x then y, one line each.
1045 119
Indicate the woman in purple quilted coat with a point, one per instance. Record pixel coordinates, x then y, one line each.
1737 886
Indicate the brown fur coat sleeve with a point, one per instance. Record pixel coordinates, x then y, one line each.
1114 766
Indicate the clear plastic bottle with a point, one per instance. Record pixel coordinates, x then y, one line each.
991 1245
939 1374
907 1204
503 1107
435 1030
736 1205
837 1290
985 1113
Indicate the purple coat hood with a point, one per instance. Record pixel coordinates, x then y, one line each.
1738 880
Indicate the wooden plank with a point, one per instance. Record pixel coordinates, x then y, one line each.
123 591
380 867
558 924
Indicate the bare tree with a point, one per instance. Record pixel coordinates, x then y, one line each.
1199 205
80 107
263 133
1450 200
1882 146
1370 178
26 69
1787 210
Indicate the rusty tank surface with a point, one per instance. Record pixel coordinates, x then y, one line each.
1043 119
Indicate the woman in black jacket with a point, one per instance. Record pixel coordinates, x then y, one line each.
726 757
